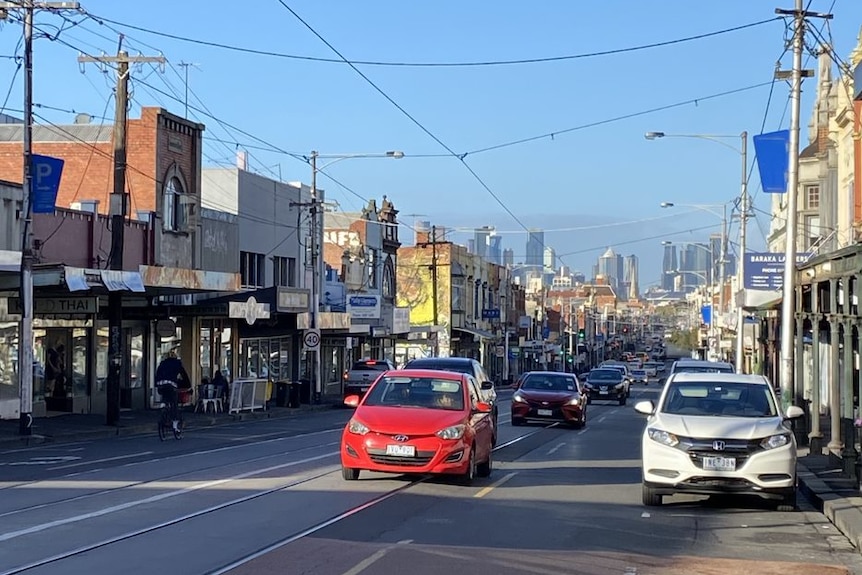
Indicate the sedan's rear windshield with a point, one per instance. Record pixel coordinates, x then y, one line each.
455 367
703 369
605 375
424 392
370 366
726 399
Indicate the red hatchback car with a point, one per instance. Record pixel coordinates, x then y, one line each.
419 421
549 396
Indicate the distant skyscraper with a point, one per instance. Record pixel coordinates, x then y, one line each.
611 266
508 257
630 275
550 258
579 277
480 240
471 246
495 249
535 247
669 266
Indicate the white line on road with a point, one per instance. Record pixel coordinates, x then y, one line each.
495 485
131 504
556 448
645 515
82 463
602 418
583 431
371 560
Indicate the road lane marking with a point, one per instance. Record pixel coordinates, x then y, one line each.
82 463
136 503
495 485
645 515
583 431
313 529
556 448
602 418
374 558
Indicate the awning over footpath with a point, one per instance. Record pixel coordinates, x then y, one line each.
481 334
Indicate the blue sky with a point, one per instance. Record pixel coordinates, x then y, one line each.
592 177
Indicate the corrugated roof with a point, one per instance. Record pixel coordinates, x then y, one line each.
89 133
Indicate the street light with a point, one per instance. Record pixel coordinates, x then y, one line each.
314 303
743 224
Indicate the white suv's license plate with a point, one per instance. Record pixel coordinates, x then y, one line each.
719 463
546 412
401 450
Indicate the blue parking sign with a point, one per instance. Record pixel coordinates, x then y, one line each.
45 173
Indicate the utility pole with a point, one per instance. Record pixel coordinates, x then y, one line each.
740 265
25 331
186 66
315 280
118 208
436 335
788 302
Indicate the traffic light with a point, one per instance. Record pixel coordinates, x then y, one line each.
582 334
625 329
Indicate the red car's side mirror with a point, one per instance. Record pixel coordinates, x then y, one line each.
351 401
482 407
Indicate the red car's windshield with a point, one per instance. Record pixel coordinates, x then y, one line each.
549 383
426 392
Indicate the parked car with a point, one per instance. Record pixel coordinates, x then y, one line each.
463 365
362 374
606 384
718 433
549 396
419 421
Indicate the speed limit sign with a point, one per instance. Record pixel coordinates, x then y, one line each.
311 339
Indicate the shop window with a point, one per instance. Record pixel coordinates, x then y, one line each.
9 361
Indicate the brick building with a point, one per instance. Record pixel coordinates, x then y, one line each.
162 176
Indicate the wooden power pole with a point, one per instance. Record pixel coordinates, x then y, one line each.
118 210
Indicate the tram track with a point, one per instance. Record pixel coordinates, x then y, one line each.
294 482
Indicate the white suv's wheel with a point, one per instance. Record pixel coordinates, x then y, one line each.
650 497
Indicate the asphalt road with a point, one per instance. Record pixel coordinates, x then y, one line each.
267 497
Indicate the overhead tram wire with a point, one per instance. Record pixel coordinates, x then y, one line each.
482 63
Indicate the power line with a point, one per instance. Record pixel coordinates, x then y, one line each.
480 63
553 134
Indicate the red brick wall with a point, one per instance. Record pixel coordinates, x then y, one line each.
88 172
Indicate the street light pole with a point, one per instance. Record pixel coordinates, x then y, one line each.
740 264
315 259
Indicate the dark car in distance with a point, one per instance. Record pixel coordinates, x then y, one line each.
606 384
549 396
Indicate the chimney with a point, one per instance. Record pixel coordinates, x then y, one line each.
242 160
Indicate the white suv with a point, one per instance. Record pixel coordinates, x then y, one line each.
718 433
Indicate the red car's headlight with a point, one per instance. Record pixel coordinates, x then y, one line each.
357 427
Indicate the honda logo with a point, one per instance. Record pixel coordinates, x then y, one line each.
718 445
401 438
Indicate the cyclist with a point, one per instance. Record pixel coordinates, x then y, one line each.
171 375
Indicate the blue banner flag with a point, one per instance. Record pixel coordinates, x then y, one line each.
45 172
773 159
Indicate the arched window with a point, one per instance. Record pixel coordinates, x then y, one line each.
388 287
173 214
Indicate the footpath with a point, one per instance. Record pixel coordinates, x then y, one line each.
75 427
838 497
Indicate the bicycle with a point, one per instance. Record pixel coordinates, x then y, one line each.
166 423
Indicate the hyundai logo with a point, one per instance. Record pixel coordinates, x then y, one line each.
718 445
403 438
